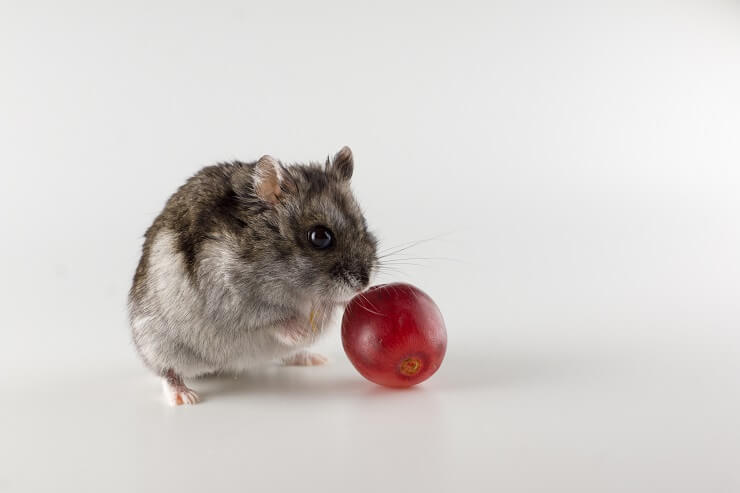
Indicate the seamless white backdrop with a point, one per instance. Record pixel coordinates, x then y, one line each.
577 165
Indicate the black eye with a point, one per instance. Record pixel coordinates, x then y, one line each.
320 237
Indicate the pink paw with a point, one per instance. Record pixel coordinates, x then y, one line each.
177 395
184 396
305 358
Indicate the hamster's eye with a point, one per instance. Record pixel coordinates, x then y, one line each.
320 237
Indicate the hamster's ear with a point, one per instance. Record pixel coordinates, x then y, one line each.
268 179
342 165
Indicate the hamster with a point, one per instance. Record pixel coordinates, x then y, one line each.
246 264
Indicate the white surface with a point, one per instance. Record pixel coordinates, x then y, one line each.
579 158
589 415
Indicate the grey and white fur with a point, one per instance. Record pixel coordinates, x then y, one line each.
229 276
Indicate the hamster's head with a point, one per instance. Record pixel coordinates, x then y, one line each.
324 247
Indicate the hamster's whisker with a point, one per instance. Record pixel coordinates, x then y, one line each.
403 263
448 259
390 265
409 244
386 269
392 251
368 300
364 298
396 246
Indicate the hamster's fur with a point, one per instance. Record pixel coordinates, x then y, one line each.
229 275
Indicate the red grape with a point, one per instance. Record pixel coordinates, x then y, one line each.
394 335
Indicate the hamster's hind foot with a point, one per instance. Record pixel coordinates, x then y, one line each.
175 390
305 358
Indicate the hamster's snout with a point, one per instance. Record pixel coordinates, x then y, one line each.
360 274
353 274
363 276
358 279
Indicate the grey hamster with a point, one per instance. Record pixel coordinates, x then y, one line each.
246 264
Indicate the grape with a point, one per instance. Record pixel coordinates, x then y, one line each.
394 335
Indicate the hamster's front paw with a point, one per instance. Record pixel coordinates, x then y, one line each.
305 358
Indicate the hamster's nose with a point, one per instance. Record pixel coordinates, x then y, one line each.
363 276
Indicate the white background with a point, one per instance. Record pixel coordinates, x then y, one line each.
578 162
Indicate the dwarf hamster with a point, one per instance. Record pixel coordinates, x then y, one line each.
246 264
